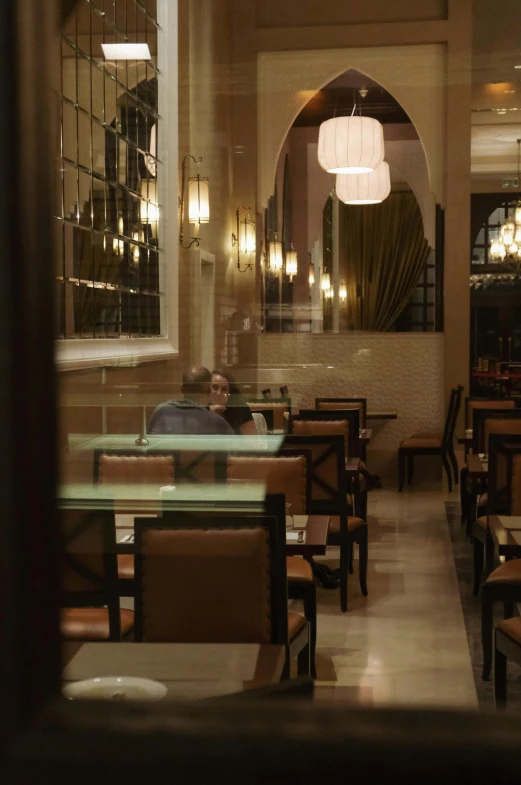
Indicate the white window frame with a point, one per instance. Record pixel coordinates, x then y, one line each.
77 353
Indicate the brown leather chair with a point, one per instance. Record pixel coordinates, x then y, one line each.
132 469
332 404
90 594
504 583
216 577
471 404
350 425
432 444
507 646
501 447
329 494
287 474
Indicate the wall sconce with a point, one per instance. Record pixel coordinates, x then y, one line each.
245 239
291 263
342 292
276 255
198 201
311 274
149 208
325 283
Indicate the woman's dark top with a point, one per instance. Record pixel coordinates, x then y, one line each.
236 415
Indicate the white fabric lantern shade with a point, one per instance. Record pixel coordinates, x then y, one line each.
350 145
368 188
198 200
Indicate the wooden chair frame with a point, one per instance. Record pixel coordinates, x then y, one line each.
504 649
335 505
105 586
446 450
363 401
273 520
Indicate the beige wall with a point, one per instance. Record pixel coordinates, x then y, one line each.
283 13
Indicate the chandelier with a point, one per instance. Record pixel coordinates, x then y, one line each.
506 249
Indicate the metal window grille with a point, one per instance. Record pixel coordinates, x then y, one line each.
108 275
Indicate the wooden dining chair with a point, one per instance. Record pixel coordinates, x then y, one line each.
217 577
89 588
329 494
330 404
485 421
500 449
131 467
288 474
507 646
504 583
432 444
473 404
356 480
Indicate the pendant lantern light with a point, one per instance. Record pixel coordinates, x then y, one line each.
369 188
325 282
350 145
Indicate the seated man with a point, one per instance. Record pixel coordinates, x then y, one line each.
188 416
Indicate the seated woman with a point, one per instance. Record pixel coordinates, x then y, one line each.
226 400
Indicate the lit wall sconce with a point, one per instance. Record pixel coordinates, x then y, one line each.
342 292
198 201
311 274
291 263
276 255
149 208
328 293
245 239
325 282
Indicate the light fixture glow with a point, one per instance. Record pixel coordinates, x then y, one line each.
291 263
126 51
149 208
350 145
311 274
198 200
342 292
275 250
370 188
325 282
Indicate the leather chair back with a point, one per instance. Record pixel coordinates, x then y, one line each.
335 404
286 475
132 469
485 423
328 479
323 428
501 449
212 577
473 404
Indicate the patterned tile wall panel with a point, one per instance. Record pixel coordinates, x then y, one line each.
395 372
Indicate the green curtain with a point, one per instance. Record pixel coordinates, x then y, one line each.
385 253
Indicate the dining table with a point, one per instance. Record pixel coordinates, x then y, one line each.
189 671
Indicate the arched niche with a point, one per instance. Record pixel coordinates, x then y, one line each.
414 75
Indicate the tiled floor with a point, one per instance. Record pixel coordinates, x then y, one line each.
406 642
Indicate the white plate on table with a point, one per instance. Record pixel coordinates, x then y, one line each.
115 688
